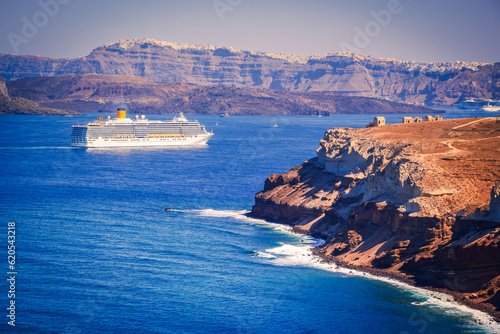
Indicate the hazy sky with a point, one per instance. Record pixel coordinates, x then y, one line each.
420 30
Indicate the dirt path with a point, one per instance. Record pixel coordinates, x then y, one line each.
463 125
448 142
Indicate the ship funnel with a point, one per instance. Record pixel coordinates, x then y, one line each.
122 113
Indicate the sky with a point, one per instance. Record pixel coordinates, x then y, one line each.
418 30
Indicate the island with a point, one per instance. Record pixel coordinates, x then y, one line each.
410 82
417 201
92 93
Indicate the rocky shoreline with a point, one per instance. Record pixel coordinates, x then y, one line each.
397 276
418 203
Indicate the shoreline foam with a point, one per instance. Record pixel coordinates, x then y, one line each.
303 255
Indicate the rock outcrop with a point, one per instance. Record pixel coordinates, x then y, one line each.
4 93
350 74
22 106
417 200
98 92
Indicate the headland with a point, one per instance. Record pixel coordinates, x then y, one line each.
417 201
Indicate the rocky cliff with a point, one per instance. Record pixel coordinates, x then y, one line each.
418 201
22 106
98 92
403 81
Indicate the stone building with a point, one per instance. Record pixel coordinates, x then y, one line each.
433 119
377 121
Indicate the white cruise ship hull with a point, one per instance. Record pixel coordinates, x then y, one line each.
139 132
143 142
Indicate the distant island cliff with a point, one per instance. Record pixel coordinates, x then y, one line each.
419 202
206 65
104 93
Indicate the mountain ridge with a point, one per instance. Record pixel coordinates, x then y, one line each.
346 73
130 43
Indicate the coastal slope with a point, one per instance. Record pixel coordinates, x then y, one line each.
418 202
104 93
22 106
433 83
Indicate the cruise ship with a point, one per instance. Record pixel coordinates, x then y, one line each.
126 132
478 104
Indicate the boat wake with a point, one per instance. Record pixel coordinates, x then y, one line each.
218 213
240 215
300 254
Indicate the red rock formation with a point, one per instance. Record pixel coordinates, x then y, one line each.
417 199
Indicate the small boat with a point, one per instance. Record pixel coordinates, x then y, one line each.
275 125
224 115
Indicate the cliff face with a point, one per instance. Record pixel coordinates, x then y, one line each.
403 81
4 93
98 92
24 106
414 199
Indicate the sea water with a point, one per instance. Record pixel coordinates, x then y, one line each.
96 252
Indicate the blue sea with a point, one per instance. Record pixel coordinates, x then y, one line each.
96 252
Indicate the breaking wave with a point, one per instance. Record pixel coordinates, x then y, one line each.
300 254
